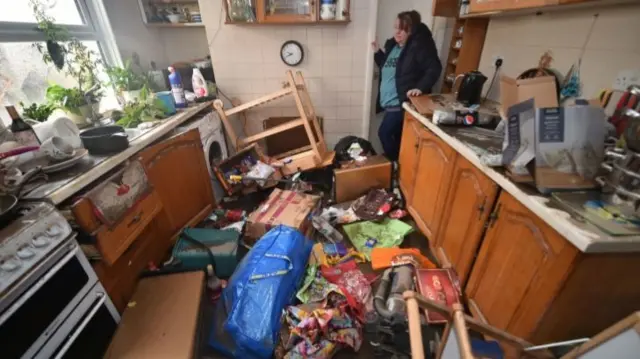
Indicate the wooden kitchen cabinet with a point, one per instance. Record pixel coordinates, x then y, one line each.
177 171
408 158
533 283
445 8
477 6
432 179
482 6
290 12
521 263
467 207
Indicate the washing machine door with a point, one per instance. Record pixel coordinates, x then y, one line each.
215 151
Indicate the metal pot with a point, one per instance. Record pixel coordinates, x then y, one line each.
105 140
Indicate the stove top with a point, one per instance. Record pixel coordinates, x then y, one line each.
35 230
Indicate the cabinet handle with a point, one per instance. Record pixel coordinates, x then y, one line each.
494 216
135 219
481 208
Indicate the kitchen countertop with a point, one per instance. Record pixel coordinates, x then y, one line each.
62 186
583 235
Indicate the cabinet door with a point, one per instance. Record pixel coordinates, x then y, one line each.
521 266
433 176
284 11
445 8
177 170
407 160
476 6
466 209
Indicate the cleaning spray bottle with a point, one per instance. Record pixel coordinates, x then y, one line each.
199 83
176 88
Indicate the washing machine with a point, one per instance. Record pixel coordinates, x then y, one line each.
213 144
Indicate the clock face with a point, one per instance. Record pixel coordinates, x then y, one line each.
291 53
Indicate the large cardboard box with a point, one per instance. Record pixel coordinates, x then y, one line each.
356 180
557 148
292 209
519 100
162 320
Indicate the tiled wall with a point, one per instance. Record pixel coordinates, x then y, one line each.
613 46
247 64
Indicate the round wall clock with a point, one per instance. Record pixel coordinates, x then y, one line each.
292 53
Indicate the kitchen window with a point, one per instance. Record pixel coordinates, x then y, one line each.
23 75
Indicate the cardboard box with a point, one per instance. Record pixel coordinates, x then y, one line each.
569 147
356 180
541 89
519 99
292 209
165 320
557 148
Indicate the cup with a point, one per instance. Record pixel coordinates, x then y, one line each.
57 148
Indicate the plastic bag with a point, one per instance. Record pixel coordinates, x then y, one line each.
263 284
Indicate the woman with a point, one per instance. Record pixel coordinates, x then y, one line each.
409 66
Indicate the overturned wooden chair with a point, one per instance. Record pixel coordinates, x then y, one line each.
304 158
456 343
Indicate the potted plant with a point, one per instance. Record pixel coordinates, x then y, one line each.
38 113
70 55
72 101
126 82
146 108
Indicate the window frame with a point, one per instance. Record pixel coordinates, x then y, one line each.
97 28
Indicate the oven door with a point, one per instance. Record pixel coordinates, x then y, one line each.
88 330
31 320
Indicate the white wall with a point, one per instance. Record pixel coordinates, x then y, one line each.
521 40
247 65
162 45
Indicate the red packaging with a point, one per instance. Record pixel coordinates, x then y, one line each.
349 278
440 285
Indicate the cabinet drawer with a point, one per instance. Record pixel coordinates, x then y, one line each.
112 242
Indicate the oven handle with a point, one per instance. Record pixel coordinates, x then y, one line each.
73 249
84 323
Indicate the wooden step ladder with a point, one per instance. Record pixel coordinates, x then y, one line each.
315 155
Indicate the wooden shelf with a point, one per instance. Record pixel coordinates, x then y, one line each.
176 25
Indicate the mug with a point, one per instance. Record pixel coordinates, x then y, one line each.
57 148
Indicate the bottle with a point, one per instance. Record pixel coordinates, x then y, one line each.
176 88
199 83
23 132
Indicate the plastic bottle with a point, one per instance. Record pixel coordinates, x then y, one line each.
176 88
199 83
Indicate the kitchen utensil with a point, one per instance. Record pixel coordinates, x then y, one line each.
470 88
632 131
629 99
62 127
7 204
174 18
57 148
17 151
105 140
69 162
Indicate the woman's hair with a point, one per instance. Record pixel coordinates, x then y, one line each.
409 19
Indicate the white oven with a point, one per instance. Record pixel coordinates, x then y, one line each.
59 303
